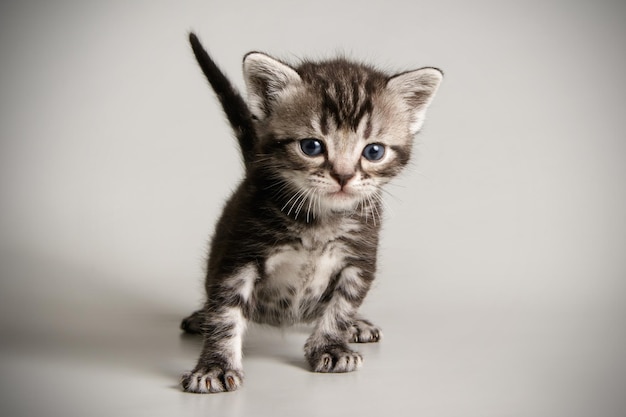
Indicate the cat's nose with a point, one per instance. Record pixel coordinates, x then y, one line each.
342 179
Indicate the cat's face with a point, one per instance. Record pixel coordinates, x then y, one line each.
332 134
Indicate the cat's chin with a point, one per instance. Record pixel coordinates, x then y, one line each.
341 201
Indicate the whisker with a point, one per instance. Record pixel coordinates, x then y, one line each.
376 212
296 196
282 191
384 203
303 200
308 210
378 196
387 192
319 202
363 211
395 184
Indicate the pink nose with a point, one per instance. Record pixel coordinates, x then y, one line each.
342 179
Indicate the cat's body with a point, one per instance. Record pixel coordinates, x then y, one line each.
297 241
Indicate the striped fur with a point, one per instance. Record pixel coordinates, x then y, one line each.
297 241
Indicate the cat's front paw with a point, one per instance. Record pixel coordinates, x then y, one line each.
364 331
211 380
334 358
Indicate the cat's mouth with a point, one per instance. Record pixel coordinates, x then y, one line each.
342 200
342 195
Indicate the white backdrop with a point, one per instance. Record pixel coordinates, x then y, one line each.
503 259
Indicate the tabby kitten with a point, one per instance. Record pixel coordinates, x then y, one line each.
297 241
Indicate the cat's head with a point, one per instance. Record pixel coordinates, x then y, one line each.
332 133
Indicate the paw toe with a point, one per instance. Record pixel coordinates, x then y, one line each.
365 332
336 360
211 380
232 380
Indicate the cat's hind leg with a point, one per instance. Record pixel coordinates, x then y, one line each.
364 331
193 323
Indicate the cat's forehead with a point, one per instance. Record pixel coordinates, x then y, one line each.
346 92
340 70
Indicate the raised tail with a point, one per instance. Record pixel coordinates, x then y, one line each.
234 106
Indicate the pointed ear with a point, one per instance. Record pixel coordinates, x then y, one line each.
266 78
416 89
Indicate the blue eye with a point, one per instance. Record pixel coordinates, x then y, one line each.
312 147
374 151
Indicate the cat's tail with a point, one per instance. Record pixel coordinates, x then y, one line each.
234 106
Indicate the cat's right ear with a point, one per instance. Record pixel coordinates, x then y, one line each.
266 79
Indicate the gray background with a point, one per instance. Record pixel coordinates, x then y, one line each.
501 289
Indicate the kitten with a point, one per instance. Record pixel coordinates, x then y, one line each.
297 241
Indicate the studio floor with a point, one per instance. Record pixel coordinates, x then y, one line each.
86 348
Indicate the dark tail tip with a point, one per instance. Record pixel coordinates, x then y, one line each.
196 46
193 39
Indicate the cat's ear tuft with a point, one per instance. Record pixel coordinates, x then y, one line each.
266 78
416 89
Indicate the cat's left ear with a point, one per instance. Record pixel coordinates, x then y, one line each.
266 79
416 89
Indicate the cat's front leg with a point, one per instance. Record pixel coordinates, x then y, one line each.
327 349
219 367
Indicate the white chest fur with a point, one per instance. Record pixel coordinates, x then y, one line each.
296 268
298 274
